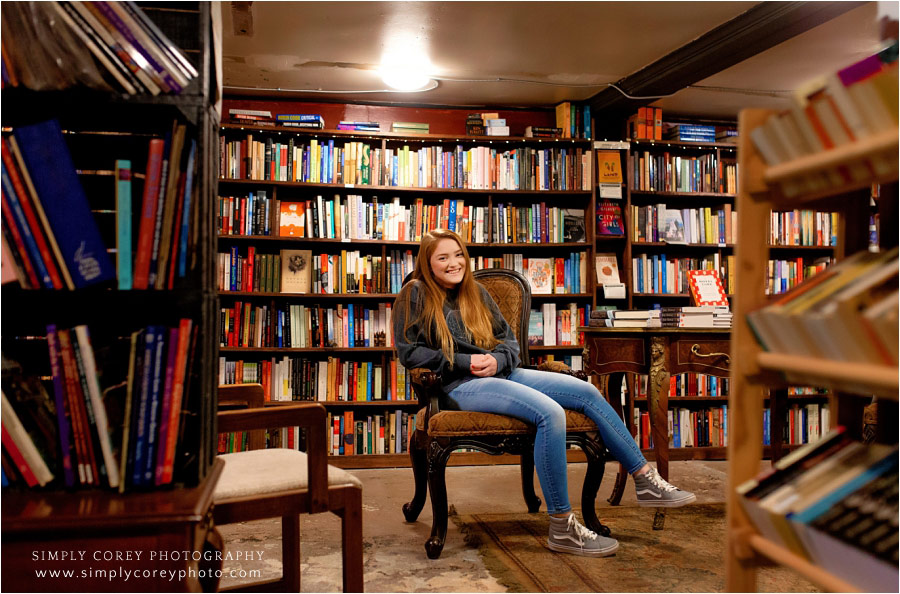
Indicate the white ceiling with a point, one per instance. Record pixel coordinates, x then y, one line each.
483 51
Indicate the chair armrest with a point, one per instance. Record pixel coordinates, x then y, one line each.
427 387
310 415
560 367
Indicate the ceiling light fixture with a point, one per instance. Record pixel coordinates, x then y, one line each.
405 78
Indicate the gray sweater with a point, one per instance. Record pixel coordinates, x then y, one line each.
414 349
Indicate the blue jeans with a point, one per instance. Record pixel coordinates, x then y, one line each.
538 398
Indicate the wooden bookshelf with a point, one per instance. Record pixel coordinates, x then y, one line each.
578 197
99 128
753 369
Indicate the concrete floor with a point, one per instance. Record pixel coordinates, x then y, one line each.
395 558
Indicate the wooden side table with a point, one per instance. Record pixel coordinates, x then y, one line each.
100 541
657 352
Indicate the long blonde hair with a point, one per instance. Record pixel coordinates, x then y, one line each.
476 316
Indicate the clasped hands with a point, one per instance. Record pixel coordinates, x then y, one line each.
483 365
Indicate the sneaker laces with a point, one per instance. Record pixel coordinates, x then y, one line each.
580 530
659 481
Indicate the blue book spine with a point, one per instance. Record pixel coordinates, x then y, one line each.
154 406
350 326
234 268
725 424
451 216
123 223
139 438
367 322
186 212
369 379
766 424
654 276
299 117
587 121
341 446
59 394
676 429
11 201
331 175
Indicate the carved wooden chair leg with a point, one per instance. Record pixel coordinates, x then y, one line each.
437 487
419 460
527 469
290 552
615 497
596 465
351 536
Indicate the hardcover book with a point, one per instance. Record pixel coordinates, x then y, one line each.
293 219
607 269
573 224
609 167
68 211
706 288
536 328
671 226
296 271
540 275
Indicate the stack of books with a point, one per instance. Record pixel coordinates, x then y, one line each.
251 117
617 318
410 127
690 133
852 104
646 124
833 502
542 132
727 135
697 316
361 126
495 125
126 45
301 120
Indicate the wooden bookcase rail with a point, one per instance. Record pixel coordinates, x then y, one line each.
843 375
813 573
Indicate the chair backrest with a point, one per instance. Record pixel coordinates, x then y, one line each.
240 396
512 293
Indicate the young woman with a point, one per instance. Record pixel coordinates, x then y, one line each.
446 322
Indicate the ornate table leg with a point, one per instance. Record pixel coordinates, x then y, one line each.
613 395
658 397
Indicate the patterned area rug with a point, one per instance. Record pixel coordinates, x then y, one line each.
688 556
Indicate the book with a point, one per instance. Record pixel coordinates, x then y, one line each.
706 288
671 225
296 271
123 223
573 224
14 432
607 269
63 422
68 211
152 178
540 275
535 327
609 167
609 218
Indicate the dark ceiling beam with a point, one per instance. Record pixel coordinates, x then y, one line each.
760 28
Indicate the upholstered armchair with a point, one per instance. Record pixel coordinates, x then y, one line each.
439 432
284 483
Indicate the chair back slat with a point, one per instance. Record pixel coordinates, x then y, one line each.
512 293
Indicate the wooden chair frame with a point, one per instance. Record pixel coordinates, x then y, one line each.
430 452
344 501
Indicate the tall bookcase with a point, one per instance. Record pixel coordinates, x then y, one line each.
100 128
575 196
852 384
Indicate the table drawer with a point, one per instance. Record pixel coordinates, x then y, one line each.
616 354
703 356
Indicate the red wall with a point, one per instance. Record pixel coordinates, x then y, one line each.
440 120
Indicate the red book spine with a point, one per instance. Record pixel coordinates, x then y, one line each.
33 280
35 225
18 459
148 214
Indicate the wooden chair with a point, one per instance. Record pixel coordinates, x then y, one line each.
278 482
439 432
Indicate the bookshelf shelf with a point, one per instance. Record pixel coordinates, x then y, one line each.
652 193
840 375
401 189
286 351
813 573
440 138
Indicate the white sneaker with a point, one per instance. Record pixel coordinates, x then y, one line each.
653 491
567 535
